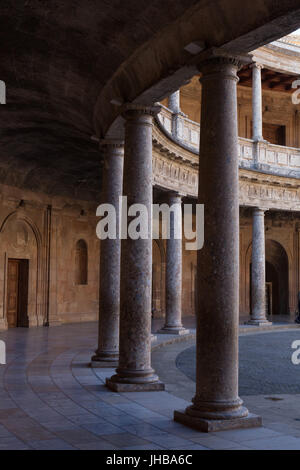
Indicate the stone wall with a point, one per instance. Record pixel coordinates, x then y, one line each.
45 231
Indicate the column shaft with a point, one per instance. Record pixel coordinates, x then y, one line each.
110 252
258 269
134 371
174 102
216 404
173 323
256 103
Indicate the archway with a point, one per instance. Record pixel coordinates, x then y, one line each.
277 278
20 258
157 279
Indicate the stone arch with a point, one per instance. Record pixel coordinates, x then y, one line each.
20 239
81 263
277 273
158 278
278 261
23 217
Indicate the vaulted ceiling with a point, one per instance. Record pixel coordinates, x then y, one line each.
63 61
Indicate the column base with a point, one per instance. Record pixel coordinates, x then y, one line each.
173 331
214 425
110 361
153 338
259 322
131 387
104 364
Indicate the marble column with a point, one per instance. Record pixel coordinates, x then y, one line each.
258 269
257 132
135 372
173 323
107 354
216 404
174 102
177 123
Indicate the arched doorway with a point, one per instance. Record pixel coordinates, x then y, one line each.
277 278
21 300
157 279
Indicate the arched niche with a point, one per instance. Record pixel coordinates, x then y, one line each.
20 241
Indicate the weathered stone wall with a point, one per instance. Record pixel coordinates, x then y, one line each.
45 231
32 226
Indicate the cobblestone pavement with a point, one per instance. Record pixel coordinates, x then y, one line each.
51 399
265 363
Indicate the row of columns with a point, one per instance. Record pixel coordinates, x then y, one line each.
216 403
107 353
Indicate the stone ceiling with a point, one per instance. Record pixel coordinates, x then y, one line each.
63 61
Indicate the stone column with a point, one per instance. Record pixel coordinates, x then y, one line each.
257 133
174 102
134 371
173 324
107 354
216 404
177 123
258 270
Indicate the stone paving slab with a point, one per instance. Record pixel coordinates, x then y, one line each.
51 399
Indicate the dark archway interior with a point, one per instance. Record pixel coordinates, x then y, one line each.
277 275
277 279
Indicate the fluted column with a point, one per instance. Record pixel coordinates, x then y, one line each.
216 404
173 323
107 353
257 131
135 371
258 269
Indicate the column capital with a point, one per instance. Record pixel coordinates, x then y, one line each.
175 194
260 210
256 65
133 111
220 66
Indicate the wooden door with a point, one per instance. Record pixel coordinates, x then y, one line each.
12 292
23 293
17 292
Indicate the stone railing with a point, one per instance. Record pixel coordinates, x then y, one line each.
277 159
260 156
269 175
180 128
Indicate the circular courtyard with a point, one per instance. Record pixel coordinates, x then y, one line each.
266 365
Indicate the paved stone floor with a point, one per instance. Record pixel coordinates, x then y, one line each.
265 363
51 399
